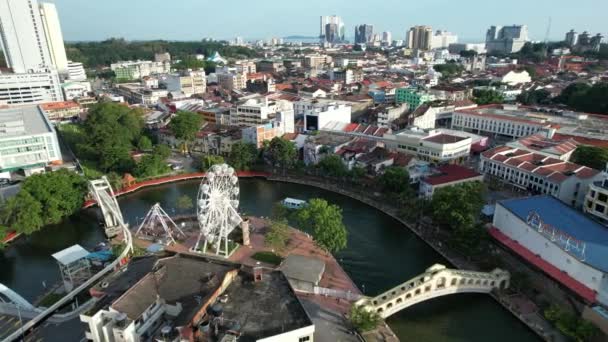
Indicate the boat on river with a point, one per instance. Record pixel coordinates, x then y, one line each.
294 203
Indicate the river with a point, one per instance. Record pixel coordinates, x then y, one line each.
381 253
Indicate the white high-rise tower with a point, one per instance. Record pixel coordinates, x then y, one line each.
22 34
54 37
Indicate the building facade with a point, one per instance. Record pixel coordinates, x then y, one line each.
187 82
506 39
76 72
54 37
443 39
413 97
30 88
28 140
420 38
134 70
364 34
317 114
596 201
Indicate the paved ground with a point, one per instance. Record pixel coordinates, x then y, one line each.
330 326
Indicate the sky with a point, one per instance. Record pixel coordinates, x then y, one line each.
263 19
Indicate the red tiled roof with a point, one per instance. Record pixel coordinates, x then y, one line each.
350 127
444 138
495 150
583 291
582 140
59 105
451 173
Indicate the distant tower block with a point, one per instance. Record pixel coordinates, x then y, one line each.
158 226
245 229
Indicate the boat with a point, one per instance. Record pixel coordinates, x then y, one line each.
293 203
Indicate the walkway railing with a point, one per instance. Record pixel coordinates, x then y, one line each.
128 239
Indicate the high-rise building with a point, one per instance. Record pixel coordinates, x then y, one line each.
420 37
332 29
506 39
387 37
23 38
443 39
571 38
54 37
364 34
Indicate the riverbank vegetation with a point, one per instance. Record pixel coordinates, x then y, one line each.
325 222
44 199
268 257
570 324
363 320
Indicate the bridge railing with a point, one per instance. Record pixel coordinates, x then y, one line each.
128 239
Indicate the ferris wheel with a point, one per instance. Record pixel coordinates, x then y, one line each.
217 203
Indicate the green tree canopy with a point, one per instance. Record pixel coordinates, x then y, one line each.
333 166
277 235
209 160
144 143
110 132
44 199
362 319
151 165
534 97
394 179
243 156
325 222
449 69
281 152
458 207
487 96
591 156
586 98
184 125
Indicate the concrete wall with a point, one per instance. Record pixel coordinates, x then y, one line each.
518 230
292 336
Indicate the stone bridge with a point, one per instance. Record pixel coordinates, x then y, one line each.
436 281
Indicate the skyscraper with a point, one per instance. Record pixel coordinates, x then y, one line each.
506 39
54 37
420 37
332 29
23 38
364 34
571 38
387 37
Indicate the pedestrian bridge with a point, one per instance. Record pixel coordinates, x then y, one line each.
436 281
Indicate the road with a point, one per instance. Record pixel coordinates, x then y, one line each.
329 325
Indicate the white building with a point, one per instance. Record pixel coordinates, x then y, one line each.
456 48
596 201
73 90
506 39
28 140
132 70
317 113
30 88
387 37
231 81
23 38
514 78
426 116
262 110
567 245
76 71
500 120
443 39
438 146
188 82
387 115
54 37
538 173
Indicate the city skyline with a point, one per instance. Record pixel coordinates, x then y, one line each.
89 20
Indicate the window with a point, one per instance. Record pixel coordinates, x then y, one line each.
304 339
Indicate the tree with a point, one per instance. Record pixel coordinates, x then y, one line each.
394 180
242 156
44 199
185 125
277 235
487 96
209 160
586 98
449 69
591 156
362 319
281 153
457 207
333 166
534 97
162 150
325 222
357 173
184 203
152 165
531 70
468 53
110 132
144 143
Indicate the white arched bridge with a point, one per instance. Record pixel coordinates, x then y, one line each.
436 281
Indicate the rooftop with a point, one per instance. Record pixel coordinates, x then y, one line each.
70 254
303 268
444 139
59 105
555 214
451 173
264 308
26 120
